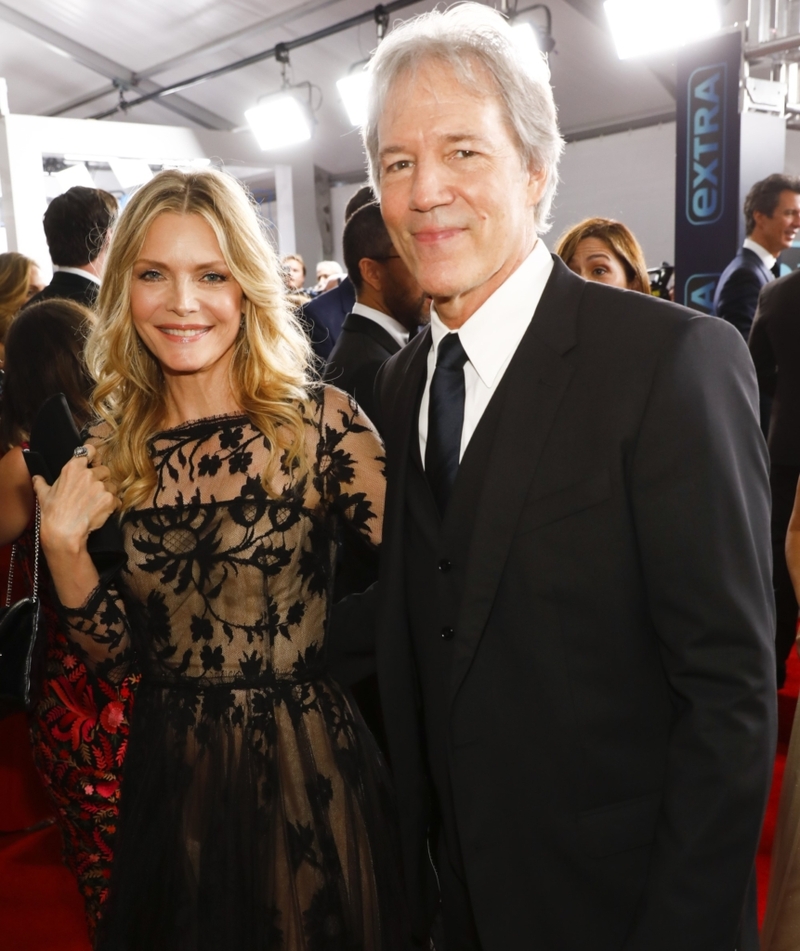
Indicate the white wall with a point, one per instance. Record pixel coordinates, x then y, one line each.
340 195
629 176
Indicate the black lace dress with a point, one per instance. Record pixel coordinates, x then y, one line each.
255 813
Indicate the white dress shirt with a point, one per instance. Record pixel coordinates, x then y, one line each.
80 272
490 338
389 324
768 259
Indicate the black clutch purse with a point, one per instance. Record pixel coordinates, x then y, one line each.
22 639
54 438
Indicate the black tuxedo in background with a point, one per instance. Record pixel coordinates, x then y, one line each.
576 665
325 314
362 348
82 290
775 349
739 285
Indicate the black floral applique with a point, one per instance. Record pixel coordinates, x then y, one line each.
245 747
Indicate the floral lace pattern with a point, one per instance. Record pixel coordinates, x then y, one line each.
254 807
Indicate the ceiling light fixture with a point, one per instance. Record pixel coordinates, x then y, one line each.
283 118
531 38
640 27
354 90
354 87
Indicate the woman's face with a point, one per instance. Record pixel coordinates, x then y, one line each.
35 282
185 304
594 260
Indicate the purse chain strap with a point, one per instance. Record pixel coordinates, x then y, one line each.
35 561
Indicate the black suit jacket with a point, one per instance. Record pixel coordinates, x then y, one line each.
611 705
739 285
82 290
362 348
775 348
324 316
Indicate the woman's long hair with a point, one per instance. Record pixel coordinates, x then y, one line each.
270 374
44 356
15 279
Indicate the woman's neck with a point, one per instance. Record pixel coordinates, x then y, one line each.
190 397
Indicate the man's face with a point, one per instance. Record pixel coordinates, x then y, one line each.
777 231
404 298
455 195
295 273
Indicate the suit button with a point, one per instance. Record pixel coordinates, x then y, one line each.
448 633
445 565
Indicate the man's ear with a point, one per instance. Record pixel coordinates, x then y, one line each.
537 182
371 273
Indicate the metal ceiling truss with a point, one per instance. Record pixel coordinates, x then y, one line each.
278 20
122 78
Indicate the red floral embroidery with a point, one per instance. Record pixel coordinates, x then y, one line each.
80 731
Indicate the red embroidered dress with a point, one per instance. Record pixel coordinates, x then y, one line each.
79 729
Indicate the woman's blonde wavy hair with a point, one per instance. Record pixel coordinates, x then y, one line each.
270 369
15 279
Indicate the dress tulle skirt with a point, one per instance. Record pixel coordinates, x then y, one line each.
252 819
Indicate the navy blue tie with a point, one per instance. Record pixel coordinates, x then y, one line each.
445 419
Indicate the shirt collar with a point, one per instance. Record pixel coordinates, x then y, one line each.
80 272
389 324
768 259
491 335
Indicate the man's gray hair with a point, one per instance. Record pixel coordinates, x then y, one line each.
471 38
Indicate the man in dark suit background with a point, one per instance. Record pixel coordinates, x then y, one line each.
325 314
389 306
78 226
775 348
575 624
772 219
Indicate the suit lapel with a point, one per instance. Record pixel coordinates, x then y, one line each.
762 268
357 323
531 391
400 384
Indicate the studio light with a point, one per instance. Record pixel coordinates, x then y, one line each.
354 90
526 38
640 27
279 120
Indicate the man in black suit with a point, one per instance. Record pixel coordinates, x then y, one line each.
775 348
389 306
325 314
772 219
575 625
78 226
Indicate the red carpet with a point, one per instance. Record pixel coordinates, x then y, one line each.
40 908
787 701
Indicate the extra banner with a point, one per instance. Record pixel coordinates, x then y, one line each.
707 174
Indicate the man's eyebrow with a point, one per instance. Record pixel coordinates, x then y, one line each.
451 138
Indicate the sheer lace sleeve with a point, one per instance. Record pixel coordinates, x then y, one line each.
100 631
351 464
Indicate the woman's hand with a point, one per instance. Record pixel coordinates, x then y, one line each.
78 502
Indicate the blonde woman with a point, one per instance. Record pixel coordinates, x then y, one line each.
254 809
20 279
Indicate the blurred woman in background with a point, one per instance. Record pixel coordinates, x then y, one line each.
20 279
79 727
604 250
